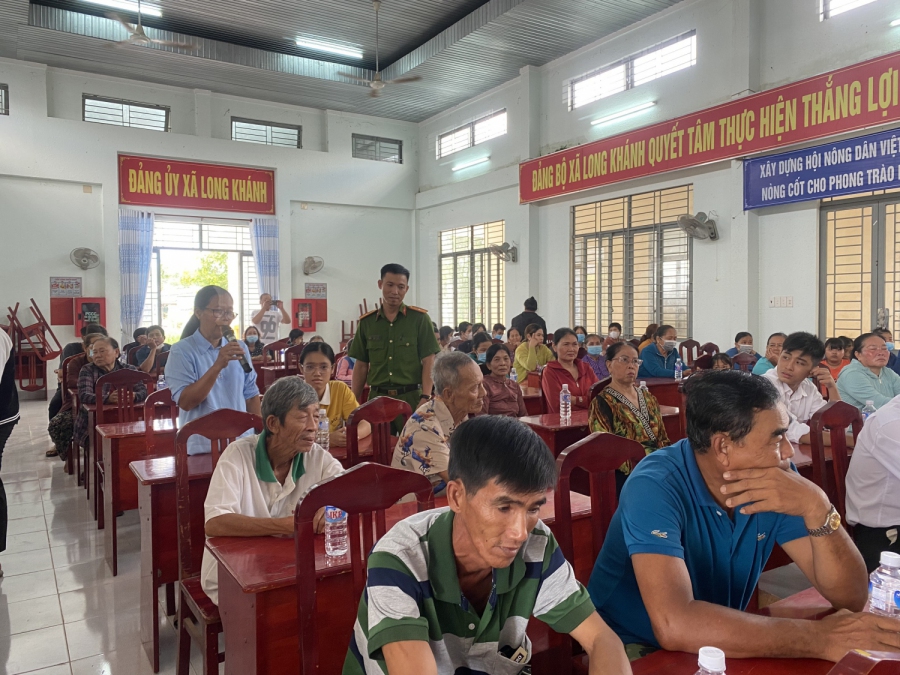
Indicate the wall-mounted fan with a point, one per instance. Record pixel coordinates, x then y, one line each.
505 252
700 226
85 258
313 264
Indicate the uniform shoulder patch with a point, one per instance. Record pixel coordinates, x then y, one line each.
417 309
368 314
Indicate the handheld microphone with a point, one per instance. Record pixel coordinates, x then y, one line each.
228 334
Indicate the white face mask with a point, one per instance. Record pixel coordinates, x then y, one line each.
670 345
614 334
745 349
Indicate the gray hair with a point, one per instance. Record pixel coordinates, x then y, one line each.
446 370
288 393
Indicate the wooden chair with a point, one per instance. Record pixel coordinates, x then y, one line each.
744 362
859 662
634 342
453 344
273 351
198 617
834 417
689 351
380 412
703 362
65 396
364 492
340 356
599 386
709 348
159 365
158 406
292 357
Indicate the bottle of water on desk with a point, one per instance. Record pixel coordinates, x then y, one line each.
337 541
324 430
565 404
868 409
884 586
711 661
643 387
679 368
161 382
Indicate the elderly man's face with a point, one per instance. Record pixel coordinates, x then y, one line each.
469 395
764 447
299 428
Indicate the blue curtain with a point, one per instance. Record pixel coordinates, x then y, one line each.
135 251
265 245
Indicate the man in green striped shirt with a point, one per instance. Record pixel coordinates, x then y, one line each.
451 590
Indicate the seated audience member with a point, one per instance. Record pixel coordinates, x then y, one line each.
480 344
203 371
513 340
648 337
497 331
697 522
423 445
800 395
722 361
868 378
71 349
658 359
140 339
594 356
316 364
848 347
532 353
486 560
344 371
624 410
834 357
269 318
295 337
580 334
437 332
464 333
773 351
893 362
260 479
145 356
104 359
613 335
503 395
567 369
478 328
445 336
254 345
873 485
743 344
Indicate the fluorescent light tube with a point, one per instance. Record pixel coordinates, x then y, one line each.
628 112
330 47
128 6
466 165
895 22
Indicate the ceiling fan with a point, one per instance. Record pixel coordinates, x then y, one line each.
137 36
376 84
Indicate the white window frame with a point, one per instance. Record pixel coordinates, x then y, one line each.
378 141
269 129
832 8
4 99
471 130
487 298
127 107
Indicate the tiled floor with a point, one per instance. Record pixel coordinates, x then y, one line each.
61 610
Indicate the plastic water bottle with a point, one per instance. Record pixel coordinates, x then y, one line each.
324 430
643 387
512 375
884 586
679 367
337 541
868 409
565 403
161 382
711 661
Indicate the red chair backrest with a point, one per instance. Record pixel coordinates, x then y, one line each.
453 344
292 357
65 385
220 427
836 417
340 356
159 366
599 455
710 348
744 362
379 413
703 362
122 382
273 350
599 386
158 406
364 492
859 662
689 350
634 342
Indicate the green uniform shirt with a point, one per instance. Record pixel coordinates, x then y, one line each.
413 593
394 349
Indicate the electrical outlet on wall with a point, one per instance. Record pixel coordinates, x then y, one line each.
789 301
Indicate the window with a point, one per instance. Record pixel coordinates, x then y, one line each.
378 149
657 61
125 113
473 133
254 131
189 253
632 264
830 8
4 99
471 277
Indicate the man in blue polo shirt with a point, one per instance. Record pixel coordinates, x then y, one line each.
697 522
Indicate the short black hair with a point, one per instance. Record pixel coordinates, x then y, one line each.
848 342
560 333
881 332
531 304
725 401
499 326
533 328
783 335
320 347
616 347
156 327
806 343
294 334
740 336
446 332
89 328
476 326
722 357
615 324
492 447
860 341
479 338
834 343
580 328
395 268
463 327
662 330
138 332
492 352
511 329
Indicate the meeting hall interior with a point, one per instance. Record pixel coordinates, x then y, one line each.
430 337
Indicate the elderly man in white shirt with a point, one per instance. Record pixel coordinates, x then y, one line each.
260 479
873 485
799 360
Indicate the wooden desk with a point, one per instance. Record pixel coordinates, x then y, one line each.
159 535
123 443
258 601
271 374
94 444
668 392
534 400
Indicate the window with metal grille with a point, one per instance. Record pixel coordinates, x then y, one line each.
471 276
473 133
4 99
378 149
125 113
266 133
658 61
631 262
830 8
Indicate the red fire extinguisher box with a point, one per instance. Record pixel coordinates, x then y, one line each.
89 310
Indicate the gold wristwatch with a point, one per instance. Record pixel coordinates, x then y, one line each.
832 524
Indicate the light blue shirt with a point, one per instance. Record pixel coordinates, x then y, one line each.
762 366
189 359
857 384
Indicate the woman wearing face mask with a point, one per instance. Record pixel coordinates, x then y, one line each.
893 361
480 345
567 369
503 396
254 345
743 344
580 334
613 335
594 357
659 358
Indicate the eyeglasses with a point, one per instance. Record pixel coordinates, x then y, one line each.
316 368
628 362
219 313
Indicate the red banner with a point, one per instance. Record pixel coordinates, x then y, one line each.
859 96
147 181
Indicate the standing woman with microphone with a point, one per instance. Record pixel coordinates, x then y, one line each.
209 368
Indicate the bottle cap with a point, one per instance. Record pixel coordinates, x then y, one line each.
872 403
890 559
712 659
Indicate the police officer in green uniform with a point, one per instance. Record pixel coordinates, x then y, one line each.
394 346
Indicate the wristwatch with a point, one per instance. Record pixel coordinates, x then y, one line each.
832 524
